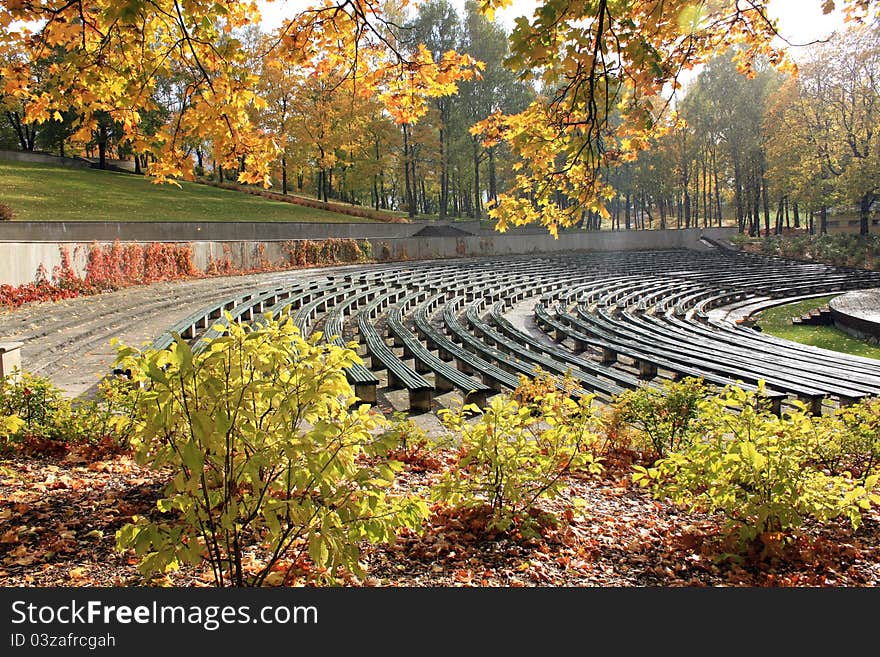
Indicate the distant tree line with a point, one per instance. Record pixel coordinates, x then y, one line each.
767 152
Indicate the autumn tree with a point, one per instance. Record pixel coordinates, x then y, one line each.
116 51
437 26
727 108
496 89
447 170
606 68
823 125
12 107
798 143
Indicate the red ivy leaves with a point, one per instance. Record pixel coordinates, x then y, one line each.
116 266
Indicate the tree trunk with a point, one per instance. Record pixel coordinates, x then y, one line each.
865 204
376 175
284 175
687 207
445 153
478 211
823 221
444 173
756 216
102 146
765 202
779 212
408 182
707 194
493 180
424 196
717 188
738 195
27 136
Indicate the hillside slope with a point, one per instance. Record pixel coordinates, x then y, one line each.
41 192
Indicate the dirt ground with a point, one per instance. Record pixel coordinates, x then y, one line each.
58 519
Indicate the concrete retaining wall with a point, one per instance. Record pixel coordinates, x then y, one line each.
19 260
858 314
232 231
42 158
491 243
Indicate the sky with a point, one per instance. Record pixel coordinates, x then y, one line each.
800 21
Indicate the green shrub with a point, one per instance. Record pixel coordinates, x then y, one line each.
38 403
407 442
848 442
849 250
664 416
515 455
755 469
265 444
108 419
41 421
366 250
771 244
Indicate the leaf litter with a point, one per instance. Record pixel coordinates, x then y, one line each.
58 519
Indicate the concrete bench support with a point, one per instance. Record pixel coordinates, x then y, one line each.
442 384
477 397
580 346
609 356
366 392
647 370
776 406
814 403
420 399
463 366
394 382
10 358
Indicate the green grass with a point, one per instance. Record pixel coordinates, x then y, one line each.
777 321
41 192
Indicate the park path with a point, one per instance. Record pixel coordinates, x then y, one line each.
69 341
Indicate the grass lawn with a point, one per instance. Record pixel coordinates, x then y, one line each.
777 321
41 192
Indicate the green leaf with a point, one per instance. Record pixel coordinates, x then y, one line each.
192 457
318 550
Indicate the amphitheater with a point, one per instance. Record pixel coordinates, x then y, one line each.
433 332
